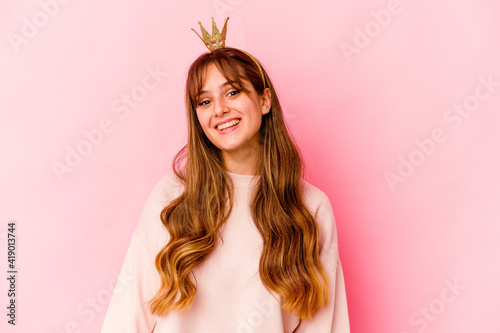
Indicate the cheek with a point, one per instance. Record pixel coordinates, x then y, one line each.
257 120
203 120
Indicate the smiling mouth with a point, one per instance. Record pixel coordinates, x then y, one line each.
229 124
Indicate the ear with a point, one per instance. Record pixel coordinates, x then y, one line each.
266 101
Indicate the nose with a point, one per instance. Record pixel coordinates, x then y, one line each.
220 107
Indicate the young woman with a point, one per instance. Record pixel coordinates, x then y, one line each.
234 240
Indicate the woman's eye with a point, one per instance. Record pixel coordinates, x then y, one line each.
234 92
205 102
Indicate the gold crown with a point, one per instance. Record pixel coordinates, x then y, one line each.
217 40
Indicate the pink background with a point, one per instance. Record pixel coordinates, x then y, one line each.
370 90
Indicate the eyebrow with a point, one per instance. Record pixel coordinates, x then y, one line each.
220 87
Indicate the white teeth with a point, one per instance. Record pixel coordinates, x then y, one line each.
228 124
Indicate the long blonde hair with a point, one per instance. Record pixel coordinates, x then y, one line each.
289 264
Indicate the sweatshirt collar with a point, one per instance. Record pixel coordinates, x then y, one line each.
243 181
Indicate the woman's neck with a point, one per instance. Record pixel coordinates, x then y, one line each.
241 163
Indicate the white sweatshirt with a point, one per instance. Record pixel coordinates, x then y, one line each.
230 296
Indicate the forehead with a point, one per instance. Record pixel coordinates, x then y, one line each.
214 78
211 75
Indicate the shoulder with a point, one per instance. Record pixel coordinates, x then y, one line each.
315 199
320 207
165 189
150 227
168 187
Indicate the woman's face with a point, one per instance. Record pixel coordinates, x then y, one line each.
229 117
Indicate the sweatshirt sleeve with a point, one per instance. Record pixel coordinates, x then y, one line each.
334 317
138 281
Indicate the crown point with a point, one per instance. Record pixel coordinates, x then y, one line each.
217 39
